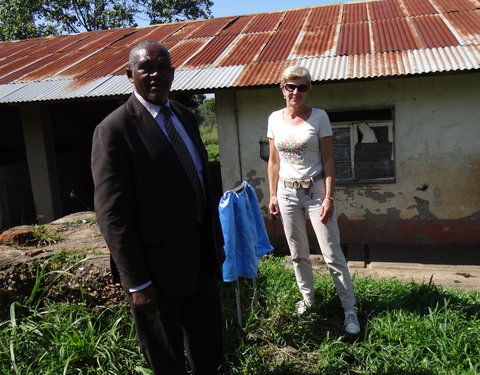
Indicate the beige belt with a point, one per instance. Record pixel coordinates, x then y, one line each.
305 184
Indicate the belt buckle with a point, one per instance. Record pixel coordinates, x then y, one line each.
296 184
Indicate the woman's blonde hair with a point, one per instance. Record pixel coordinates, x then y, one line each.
295 72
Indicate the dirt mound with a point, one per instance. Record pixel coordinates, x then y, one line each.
77 235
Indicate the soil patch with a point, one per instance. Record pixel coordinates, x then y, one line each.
78 235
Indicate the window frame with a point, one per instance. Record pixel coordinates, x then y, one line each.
354 138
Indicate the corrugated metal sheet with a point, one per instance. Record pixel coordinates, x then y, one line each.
387 9
354 39
393 35
355 13
278 46
419 7
320 16
317 41
237 25
330 68
183 32
207 79
433 32
211 52
466 24
294 20
455 5
245 49
186 49
158 32
211 28
369 39
264 22
53 89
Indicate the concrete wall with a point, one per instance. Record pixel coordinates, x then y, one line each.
436 195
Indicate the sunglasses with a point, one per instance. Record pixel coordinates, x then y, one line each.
291 87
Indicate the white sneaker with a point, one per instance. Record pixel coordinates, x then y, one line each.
302 306
351 324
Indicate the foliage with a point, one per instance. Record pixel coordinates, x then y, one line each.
208 115
209 135
21 19
213 153
65 338
407 329
164 11
209 129
73 16
44 236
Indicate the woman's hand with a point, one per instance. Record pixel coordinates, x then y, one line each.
326 210
273 206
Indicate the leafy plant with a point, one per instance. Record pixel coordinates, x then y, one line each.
213 153
43 236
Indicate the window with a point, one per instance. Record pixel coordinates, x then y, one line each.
363 146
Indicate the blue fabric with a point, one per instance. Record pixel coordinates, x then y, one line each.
244 233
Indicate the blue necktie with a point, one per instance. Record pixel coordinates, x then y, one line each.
184 155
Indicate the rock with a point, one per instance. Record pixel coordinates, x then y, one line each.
17 236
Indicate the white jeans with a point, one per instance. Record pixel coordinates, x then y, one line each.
295 205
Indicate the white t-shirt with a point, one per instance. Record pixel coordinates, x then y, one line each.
299 145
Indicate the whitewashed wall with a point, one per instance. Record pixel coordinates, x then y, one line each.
436 144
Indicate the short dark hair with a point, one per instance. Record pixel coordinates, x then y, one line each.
133 57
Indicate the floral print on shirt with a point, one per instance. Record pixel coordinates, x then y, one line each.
291 149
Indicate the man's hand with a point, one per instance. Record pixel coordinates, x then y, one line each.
145 300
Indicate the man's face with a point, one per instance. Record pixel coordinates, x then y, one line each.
152 74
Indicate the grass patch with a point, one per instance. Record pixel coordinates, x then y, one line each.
209 135
407 329
42 235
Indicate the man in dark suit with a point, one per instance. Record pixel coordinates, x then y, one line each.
159 219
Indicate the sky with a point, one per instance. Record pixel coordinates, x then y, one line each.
223 8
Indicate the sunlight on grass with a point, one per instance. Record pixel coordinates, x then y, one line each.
407 329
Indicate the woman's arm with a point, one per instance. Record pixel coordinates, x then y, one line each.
326 150
273 175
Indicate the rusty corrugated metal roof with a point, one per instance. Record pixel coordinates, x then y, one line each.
376 38
393 35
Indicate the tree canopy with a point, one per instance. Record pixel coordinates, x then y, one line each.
21 19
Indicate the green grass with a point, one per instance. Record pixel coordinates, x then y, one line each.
407 329
43 236
209 135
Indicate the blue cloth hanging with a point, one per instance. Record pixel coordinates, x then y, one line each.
244 233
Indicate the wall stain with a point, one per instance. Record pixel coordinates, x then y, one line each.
423 208
255 182
377 196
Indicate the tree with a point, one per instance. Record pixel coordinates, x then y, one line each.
73 16
164 11
207 113
20 19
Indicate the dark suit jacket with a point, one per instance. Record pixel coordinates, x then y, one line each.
146 205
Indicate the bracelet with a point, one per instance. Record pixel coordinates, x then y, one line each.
330 198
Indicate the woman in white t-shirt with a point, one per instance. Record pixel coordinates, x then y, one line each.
301 177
